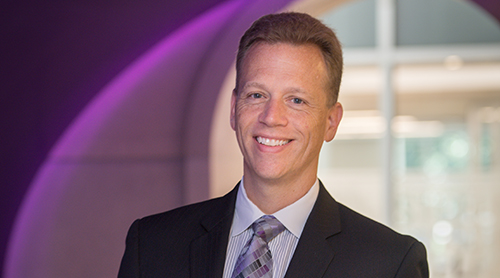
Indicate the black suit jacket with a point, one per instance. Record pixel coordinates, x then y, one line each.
336 242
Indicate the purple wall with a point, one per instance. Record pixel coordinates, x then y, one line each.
139 147
55 57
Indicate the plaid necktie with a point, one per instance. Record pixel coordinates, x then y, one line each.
255 260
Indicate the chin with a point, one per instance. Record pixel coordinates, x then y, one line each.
271 174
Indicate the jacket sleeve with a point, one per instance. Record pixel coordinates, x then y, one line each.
414 264
129 266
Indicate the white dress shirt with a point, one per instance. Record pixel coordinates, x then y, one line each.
282 247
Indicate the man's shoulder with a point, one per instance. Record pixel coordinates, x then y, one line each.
379 248
184 214
369 232
161 243
190 217
354 226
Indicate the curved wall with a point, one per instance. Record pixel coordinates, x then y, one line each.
140 147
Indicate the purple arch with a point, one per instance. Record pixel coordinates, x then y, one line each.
140 147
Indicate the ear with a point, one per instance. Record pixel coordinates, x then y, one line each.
234 96
333 120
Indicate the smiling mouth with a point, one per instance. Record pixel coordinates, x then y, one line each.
271 142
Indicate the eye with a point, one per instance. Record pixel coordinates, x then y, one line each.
255 95
297 100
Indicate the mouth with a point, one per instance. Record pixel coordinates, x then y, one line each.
271 142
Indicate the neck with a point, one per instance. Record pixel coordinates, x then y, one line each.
271 196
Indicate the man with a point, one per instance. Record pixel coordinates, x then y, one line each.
279 221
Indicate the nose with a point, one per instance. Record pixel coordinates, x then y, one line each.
274 114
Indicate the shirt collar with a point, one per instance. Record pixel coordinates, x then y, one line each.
293 217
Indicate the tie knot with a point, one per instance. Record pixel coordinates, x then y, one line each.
267 227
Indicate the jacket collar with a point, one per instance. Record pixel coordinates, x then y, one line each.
208 252
314 252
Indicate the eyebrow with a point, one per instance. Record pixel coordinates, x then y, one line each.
253 84
296 90
263 87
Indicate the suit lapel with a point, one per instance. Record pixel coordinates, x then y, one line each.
208 252
314 252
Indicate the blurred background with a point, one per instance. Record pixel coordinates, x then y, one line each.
111 111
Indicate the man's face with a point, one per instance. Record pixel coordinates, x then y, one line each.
279 111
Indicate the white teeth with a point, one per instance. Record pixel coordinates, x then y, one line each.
271 142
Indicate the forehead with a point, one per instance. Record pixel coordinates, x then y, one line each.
302 63
264 50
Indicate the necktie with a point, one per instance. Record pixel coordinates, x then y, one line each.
255 260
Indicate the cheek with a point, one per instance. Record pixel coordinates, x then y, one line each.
245 112
309 122
318 128
242 122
